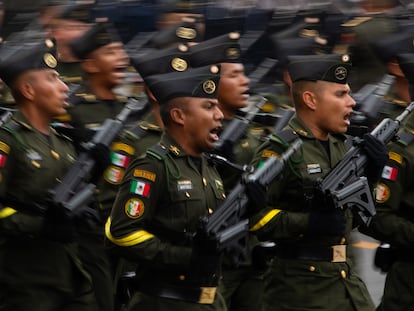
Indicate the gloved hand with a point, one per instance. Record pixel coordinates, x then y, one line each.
327 222
257 195
377 157
205 257
57 225
100 153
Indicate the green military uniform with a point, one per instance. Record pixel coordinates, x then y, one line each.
155 228
328 281
368 67
394 220
37 273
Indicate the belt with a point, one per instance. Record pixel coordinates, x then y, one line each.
331 253
201 295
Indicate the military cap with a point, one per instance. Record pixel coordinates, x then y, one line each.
406 62
184 31
154 61
102 33
284 47
221 49
16 59
81 12
330 67
195 82
388 47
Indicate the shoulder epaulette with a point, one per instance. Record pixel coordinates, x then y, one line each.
284 137
12 126
356 21
157 151
406 138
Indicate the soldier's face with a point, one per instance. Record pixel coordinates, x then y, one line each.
201 122
233 87
334 106
110 63
49 92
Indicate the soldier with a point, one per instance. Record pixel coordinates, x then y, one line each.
164 194
39 262
242 287
311 269
393 222
104 62
71 22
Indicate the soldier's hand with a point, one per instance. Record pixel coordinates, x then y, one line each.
327 222
57 225
257 195
377 157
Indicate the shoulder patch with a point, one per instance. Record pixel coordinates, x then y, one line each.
158 151
145 174
382 193
395 157
134 208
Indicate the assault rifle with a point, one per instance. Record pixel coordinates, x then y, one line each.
228 225
344 185
237 128
76 189
370 100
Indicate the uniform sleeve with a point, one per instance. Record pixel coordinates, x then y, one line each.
274 222
135 207
394 221
13 222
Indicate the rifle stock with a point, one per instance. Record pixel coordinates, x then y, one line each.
346 180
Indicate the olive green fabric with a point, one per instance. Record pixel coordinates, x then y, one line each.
299 284
36 273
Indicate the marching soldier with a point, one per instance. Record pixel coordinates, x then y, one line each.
39 262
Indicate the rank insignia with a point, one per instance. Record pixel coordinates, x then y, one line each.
134 208
219 184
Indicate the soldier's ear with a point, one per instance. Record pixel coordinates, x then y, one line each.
26 89
309 99
177 115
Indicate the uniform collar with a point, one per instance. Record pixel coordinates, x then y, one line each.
168 143
300 128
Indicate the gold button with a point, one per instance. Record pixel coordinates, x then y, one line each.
187 194
210 211
204 181
55 154
181 277
312 268
343 241
224 195
343 274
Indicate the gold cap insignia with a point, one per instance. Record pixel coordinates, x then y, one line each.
179 64
186 33
209 86
232 53
49 43
50 60
341 73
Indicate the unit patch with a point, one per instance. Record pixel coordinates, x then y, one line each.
134 208
114 174
395 157
3 159
382 193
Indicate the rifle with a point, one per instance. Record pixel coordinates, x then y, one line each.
237 128
75 190
370 100
344 185
227 226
